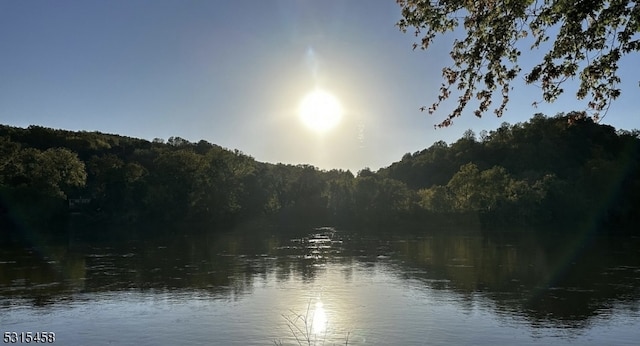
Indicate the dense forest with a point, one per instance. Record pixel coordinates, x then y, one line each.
563 172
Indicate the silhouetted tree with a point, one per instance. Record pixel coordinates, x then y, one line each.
592 37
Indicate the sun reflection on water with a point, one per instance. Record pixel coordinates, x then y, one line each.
319 319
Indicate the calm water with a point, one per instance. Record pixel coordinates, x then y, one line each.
330 286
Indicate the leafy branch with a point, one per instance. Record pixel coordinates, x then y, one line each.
592 37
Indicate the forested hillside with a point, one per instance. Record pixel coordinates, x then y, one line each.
545 172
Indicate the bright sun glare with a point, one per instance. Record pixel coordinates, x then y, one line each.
320 111
319 319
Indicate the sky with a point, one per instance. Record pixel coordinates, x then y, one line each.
234 73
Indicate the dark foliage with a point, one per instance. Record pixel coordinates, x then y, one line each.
548 171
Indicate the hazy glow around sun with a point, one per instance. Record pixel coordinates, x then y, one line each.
320 111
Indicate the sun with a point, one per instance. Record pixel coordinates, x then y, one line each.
320 111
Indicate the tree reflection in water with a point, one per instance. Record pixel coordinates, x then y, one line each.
528 276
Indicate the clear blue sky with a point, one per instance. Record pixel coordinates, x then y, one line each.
234 72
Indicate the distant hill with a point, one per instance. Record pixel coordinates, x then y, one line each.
563 170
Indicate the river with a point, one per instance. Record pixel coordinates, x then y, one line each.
325 286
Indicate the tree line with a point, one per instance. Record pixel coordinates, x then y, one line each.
564 170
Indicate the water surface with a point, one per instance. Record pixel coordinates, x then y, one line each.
328 285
